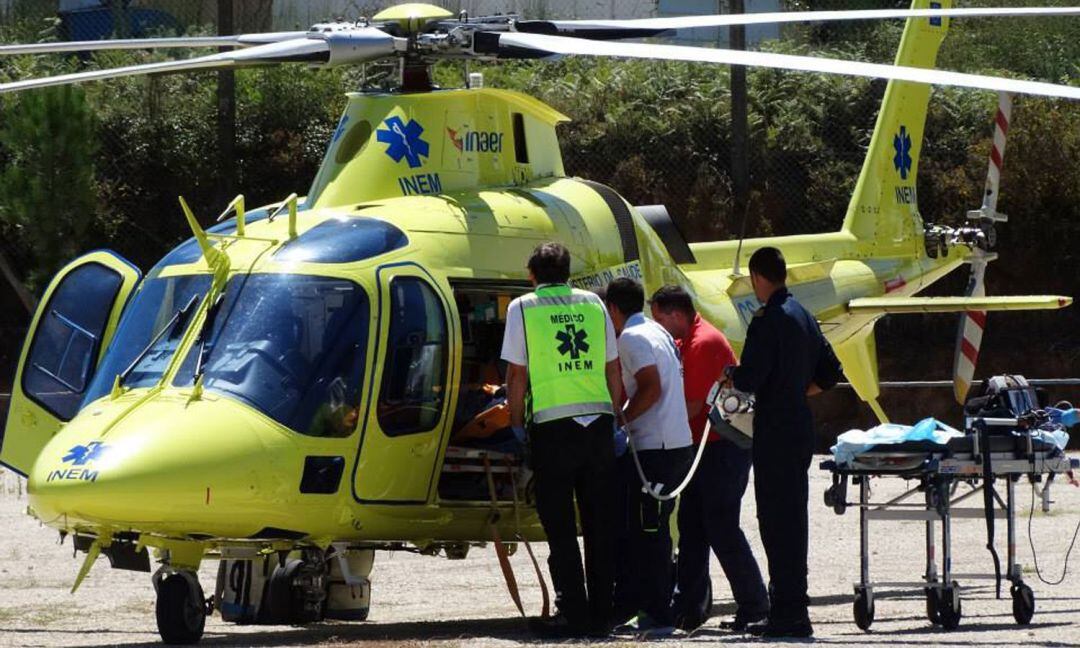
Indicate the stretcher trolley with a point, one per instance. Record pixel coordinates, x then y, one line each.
994 453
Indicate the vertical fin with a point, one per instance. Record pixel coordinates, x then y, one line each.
884 208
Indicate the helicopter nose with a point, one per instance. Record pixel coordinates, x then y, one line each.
166 467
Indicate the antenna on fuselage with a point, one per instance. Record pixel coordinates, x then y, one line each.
215 258
742 236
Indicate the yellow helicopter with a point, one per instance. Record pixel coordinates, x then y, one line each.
306 383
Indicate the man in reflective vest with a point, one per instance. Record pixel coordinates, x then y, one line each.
560 348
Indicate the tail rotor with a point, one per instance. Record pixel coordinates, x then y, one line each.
972 324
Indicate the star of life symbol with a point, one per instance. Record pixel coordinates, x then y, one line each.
81 455
902 145
404 141
572 341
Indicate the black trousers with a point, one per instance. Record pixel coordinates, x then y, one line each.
644 576
573 461
709 511
782 455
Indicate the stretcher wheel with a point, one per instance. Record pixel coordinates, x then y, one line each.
933 614
950 607
835 498
863 608
1023 600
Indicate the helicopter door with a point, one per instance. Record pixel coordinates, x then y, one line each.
404 429
68 335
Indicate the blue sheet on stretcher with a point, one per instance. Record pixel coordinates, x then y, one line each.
929 434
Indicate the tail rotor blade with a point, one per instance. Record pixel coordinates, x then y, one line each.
973 323
969 334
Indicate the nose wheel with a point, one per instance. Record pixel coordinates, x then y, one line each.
181 609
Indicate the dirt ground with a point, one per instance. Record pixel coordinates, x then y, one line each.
423 601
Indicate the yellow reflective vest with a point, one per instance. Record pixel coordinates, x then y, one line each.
566 344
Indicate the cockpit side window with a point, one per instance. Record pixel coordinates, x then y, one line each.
65 348
414 375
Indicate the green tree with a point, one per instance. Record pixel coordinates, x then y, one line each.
47 187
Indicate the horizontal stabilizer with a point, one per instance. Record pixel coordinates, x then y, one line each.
894 305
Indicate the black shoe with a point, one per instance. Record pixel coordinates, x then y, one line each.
782 628
556 627
689 622
740 623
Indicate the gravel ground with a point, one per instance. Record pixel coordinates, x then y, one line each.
435 602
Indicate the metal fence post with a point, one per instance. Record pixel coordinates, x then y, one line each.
740 163
226 113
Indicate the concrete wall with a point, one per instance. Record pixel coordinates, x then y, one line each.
754 33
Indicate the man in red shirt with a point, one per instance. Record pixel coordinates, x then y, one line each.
709 508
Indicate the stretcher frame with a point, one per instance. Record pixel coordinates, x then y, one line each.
940 473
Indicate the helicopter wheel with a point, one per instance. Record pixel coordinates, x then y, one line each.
180 609
296 594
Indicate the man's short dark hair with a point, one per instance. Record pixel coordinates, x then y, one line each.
769 263
550 263
627 295
673 298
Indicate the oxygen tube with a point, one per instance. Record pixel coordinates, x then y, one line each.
654 491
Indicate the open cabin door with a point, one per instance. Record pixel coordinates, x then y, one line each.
70 331
409 394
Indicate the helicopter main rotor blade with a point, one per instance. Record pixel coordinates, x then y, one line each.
532 45
336 48
638 27
307 50
239 41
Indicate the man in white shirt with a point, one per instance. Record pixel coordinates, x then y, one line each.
655 418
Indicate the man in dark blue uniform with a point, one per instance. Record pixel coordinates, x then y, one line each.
785 359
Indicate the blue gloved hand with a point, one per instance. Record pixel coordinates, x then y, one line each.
622 441
1068 418
519 432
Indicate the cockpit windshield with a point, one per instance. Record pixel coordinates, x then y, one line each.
153 308
292 346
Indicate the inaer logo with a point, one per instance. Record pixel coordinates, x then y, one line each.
455 139
404 141
467 141
80 455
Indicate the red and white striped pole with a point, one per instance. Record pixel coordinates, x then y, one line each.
973 323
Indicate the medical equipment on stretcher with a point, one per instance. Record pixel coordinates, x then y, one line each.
1009 435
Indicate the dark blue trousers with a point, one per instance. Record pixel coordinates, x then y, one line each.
782 453
643 574
709 519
